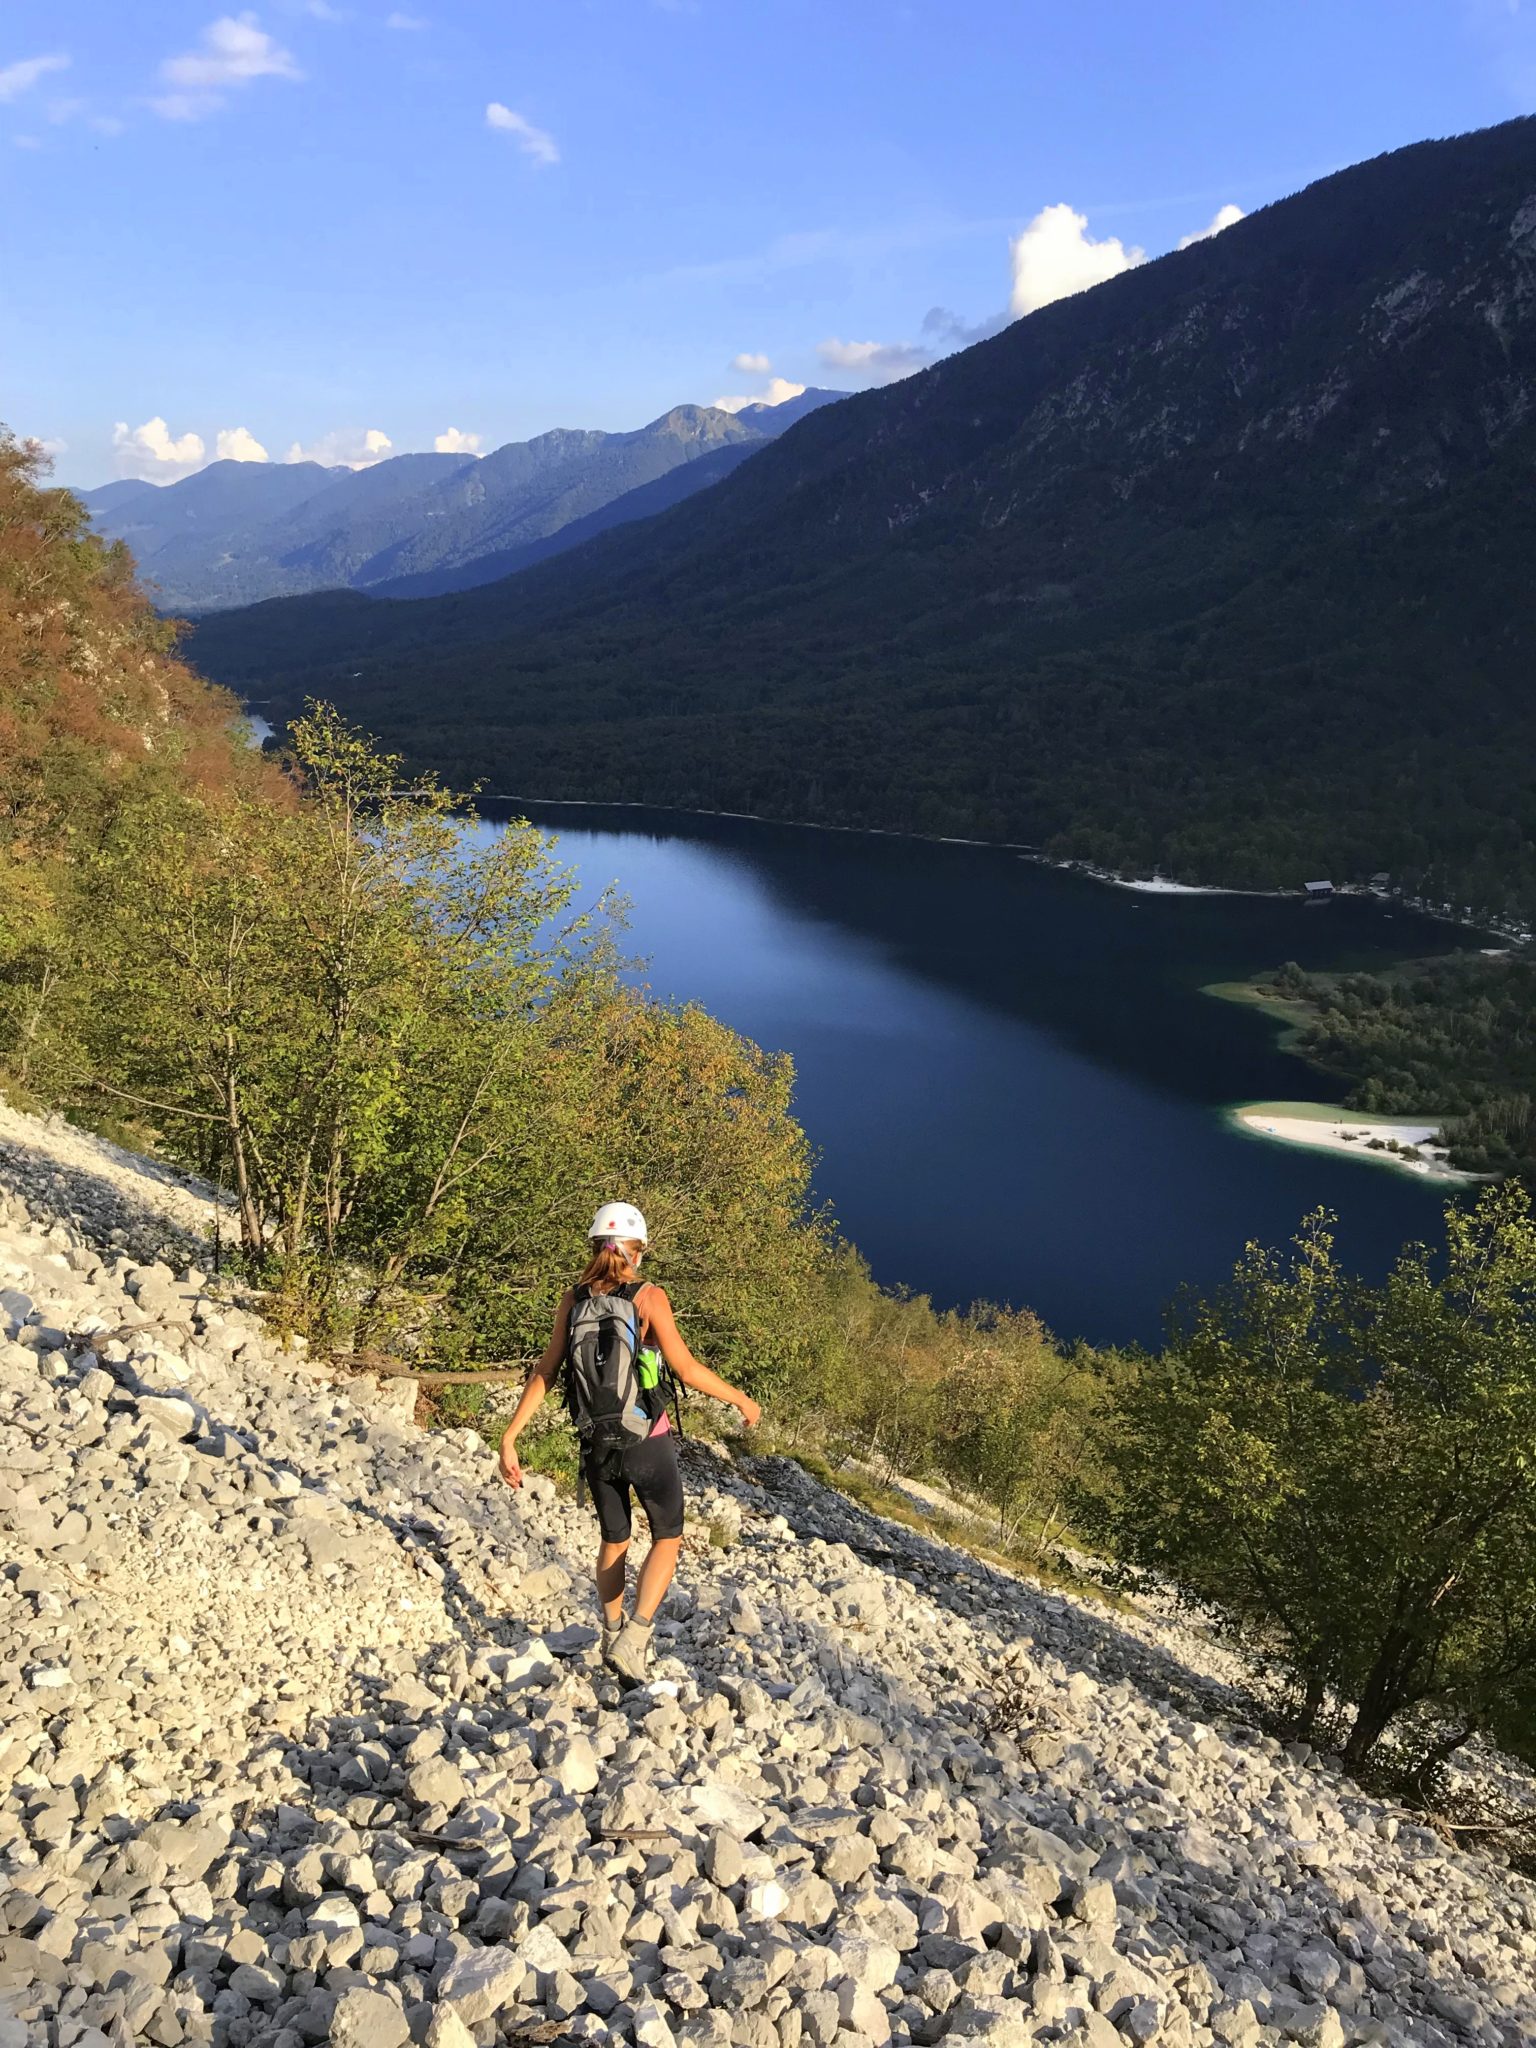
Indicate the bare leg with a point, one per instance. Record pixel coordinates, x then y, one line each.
610 1580
656 1576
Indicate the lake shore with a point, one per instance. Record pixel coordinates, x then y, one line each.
1326 1127
1146 885
1292 1017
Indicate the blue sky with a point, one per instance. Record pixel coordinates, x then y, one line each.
319 220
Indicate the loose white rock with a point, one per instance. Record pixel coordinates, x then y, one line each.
303 1737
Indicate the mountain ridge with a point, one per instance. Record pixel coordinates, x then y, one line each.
233 532
1216 568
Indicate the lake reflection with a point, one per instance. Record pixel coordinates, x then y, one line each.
1010 1075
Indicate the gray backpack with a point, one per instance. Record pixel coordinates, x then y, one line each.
605 1374
615 1383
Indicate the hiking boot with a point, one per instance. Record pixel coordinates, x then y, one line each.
631 1652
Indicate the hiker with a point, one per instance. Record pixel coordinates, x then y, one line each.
616 1337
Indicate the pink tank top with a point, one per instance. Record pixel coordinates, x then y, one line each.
663 1423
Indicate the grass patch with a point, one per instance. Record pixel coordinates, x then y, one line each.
463 1407
547 1445
961 1532
552 1451
1327 1113
1293 1015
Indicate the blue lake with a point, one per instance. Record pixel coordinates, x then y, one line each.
1013 1081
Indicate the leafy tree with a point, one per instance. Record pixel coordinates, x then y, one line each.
411 1056
1020 1421
1451 1038
327 998
1350 1470
95 711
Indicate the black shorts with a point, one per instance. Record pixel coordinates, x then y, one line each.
651 1470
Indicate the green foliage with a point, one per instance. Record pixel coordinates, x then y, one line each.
695 1124
985 1401
957 1525
1349 1471
1453 1038
410 1055
95 713
329 1001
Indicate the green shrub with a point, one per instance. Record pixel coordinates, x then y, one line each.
1346 1472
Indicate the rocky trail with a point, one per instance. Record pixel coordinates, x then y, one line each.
303 1738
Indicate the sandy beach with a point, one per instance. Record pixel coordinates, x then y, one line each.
1331 1129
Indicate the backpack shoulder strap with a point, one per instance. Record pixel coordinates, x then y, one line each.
670 1381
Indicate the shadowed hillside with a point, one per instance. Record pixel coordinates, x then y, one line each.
1221 567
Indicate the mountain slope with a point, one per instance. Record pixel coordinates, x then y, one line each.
235 532
111 497
662 492
173 528
873 1778
1221 566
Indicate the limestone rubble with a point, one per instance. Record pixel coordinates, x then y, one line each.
303 1739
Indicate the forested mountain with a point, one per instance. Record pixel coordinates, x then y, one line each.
1221 567
238 531
669 488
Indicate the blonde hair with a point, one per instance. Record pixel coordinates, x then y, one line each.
611 1265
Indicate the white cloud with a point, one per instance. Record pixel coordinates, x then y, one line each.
876 362
185 106
346 447
239 444
62 112
25 142
452 442
1052 257
407 22
52 446
154 453
751 365
235 49
322 10
537 143
15 79
1226 217
1055 256
777 391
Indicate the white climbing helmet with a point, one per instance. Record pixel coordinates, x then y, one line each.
619 1219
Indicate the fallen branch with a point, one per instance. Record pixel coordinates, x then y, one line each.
1513 1824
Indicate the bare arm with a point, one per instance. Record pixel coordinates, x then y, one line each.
532 1398
663 1325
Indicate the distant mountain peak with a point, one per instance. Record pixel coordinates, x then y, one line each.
236 532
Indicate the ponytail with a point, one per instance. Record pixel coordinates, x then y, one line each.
610 1266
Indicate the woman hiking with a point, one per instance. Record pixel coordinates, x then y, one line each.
609 1329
